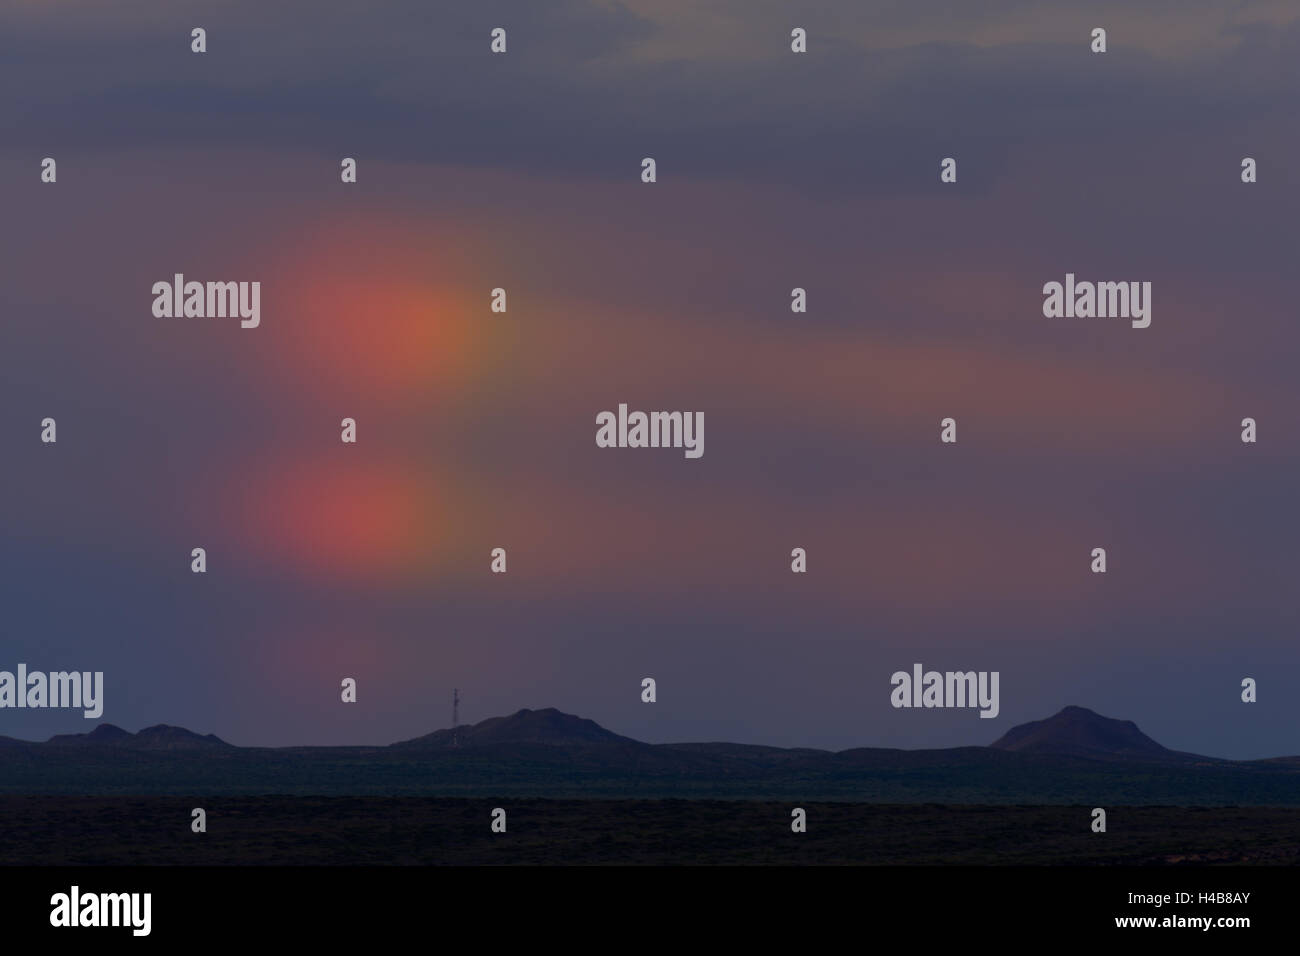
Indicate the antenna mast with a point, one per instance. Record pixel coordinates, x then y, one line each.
455 717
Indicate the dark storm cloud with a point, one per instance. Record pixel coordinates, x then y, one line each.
411 81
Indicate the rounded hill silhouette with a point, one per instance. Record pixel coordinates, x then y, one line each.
548 726
1081 732
157 737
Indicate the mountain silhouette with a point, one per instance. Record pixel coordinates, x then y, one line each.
547 726
549 754
1079 731
157 737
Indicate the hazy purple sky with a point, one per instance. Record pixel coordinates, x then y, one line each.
476 430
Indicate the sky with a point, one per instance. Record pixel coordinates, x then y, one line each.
476 430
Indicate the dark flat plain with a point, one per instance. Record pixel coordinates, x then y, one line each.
635 771
423 831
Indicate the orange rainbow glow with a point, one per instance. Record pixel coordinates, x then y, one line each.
377 309
337 521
